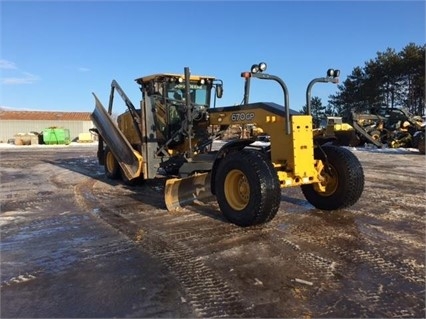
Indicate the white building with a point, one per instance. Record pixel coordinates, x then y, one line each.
13 123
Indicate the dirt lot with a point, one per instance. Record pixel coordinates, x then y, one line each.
74 244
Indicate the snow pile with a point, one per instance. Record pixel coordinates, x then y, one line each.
373 149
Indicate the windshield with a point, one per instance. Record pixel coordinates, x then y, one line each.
198 92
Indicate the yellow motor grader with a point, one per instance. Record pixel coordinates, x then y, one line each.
173 136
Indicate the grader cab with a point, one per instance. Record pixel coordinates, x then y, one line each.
172 136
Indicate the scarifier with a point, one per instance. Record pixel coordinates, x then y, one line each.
173 136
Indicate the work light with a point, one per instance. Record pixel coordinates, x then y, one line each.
333 73
262 66
254 68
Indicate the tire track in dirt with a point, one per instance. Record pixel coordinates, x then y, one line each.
35 216
208 294
175 238
382 269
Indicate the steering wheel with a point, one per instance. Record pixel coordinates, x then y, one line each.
198 110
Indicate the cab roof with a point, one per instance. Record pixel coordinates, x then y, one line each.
172 75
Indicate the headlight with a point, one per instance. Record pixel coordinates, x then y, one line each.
332 73
254 68
262 66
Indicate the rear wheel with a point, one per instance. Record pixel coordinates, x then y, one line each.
112 168
421 145
247 188
343 179
419 142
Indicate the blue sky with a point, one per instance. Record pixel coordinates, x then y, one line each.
54 54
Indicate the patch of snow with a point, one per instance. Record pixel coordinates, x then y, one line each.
72 144
4 220
261 143
257 282
400 150
19 279
12 217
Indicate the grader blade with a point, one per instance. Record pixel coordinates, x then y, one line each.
180 192
129 160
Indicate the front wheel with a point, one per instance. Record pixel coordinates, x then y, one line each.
343 179
247 188
112 168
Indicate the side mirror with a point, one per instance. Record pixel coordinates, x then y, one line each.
219 90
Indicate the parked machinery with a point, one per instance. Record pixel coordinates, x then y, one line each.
393 127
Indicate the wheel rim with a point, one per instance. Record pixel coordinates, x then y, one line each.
376 136
330 181
237 189
110 162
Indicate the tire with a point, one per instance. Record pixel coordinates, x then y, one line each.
247 188
112 168
419 142
344 185
421 145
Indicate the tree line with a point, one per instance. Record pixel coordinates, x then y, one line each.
391 79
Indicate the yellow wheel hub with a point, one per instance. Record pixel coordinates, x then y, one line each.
110 162
376 137
329 182
237 189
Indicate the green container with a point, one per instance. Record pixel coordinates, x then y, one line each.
56 136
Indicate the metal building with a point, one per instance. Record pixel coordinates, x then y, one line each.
13 123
